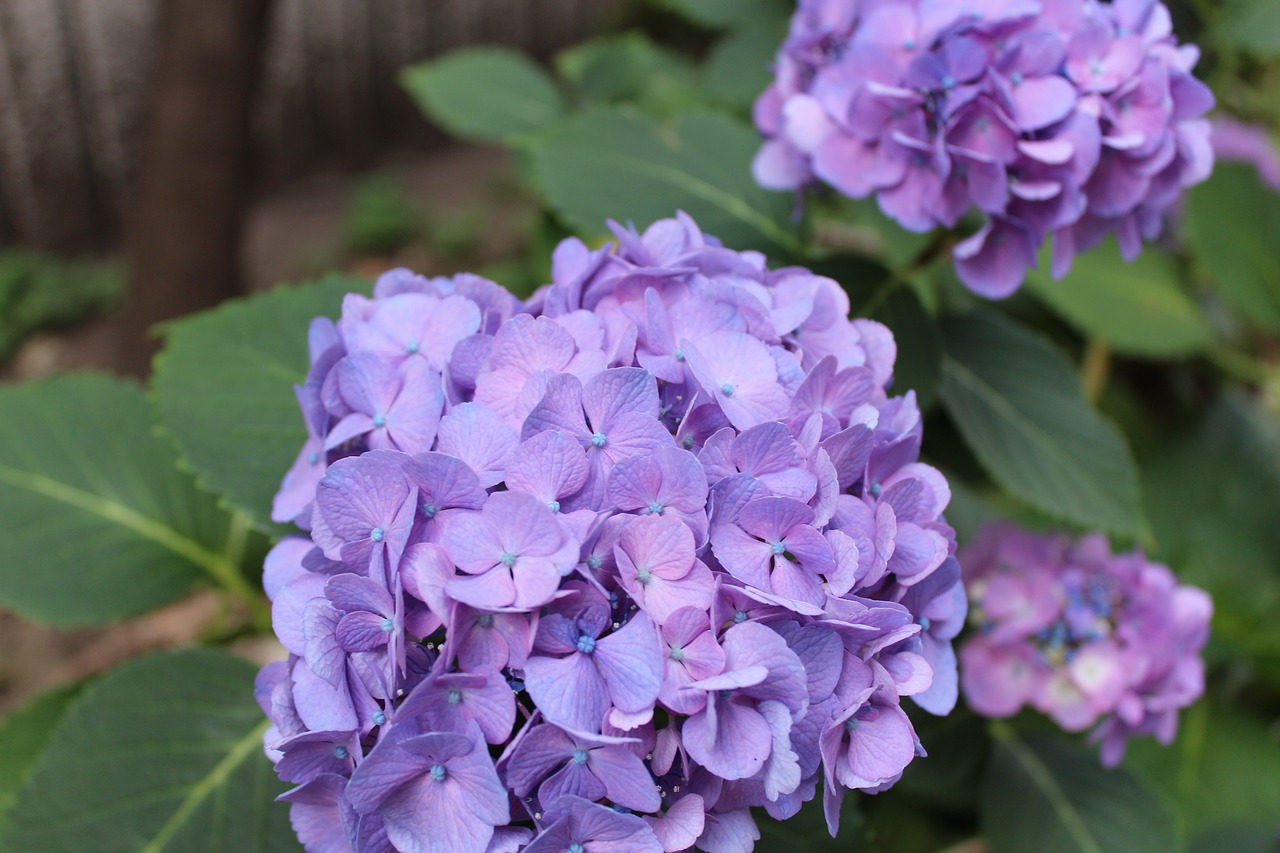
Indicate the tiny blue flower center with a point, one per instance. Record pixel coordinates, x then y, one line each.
313 458
507 559
740 616
643 576
430 510
586 644
387 625
438 772
377 534
655 508
412 348
679 354
575 847
454 697
687 441
726 389
1015 78
924 623
579 756
379 421
948 82
485 620
909 44
620 809
778 548
677 655
594 562
1095 67
339 752
379 718
852 724
554 506
598 440
875 489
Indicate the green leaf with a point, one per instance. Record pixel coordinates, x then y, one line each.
1046 793
1249 25
1233 226
1211 495
224 387
605 164
487 94
23 735
1138 308
1222 768
740 66
98 522
623 68
1019 407
919 364
163 754
725 14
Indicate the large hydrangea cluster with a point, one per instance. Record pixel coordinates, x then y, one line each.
1069 119
604 570
1085 636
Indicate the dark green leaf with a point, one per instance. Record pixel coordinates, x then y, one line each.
1211 494
728 14
1049 794
1233 225
919 364
807 830
1222 768
97 521
1138 308
1237 839
1019 407
23 735
606 164
484 93
224 385
163 754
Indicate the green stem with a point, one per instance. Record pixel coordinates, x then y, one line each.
226 571
927 257
1095 368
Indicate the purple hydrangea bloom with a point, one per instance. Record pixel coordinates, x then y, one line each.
650 539
1053 119
1091 638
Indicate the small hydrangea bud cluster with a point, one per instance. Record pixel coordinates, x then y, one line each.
1082 635
1069 119
606 569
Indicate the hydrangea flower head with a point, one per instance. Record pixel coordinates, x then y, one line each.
1050 119
606 569
1091 638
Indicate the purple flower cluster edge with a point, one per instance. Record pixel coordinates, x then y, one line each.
1090 638
606 569
1053 119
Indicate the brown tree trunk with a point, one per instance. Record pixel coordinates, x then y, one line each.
185 217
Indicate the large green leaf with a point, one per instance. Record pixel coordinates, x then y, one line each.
729 14
23 735
1138 308
627 68
96 519
1211 494
224 386
1233 224
1222 768
163 754
1046 793
919 364
740 66
605 164
1249 25
484 93
1019 407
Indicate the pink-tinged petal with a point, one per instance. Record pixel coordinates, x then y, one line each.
753 644
626 779
779 166
619 391
479 437
944 689
549 466
730 738
685 625
570 691
560 408
412 420
771 518
471 542
655 545
630 661
917 551
453 319
680 825
490 590
742 555
857 168
740 374
782 769
729 832
632 433
845 574
424 571
997 681
882 744
444 481
735 679
660 597
529 344
1041 101
289 609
